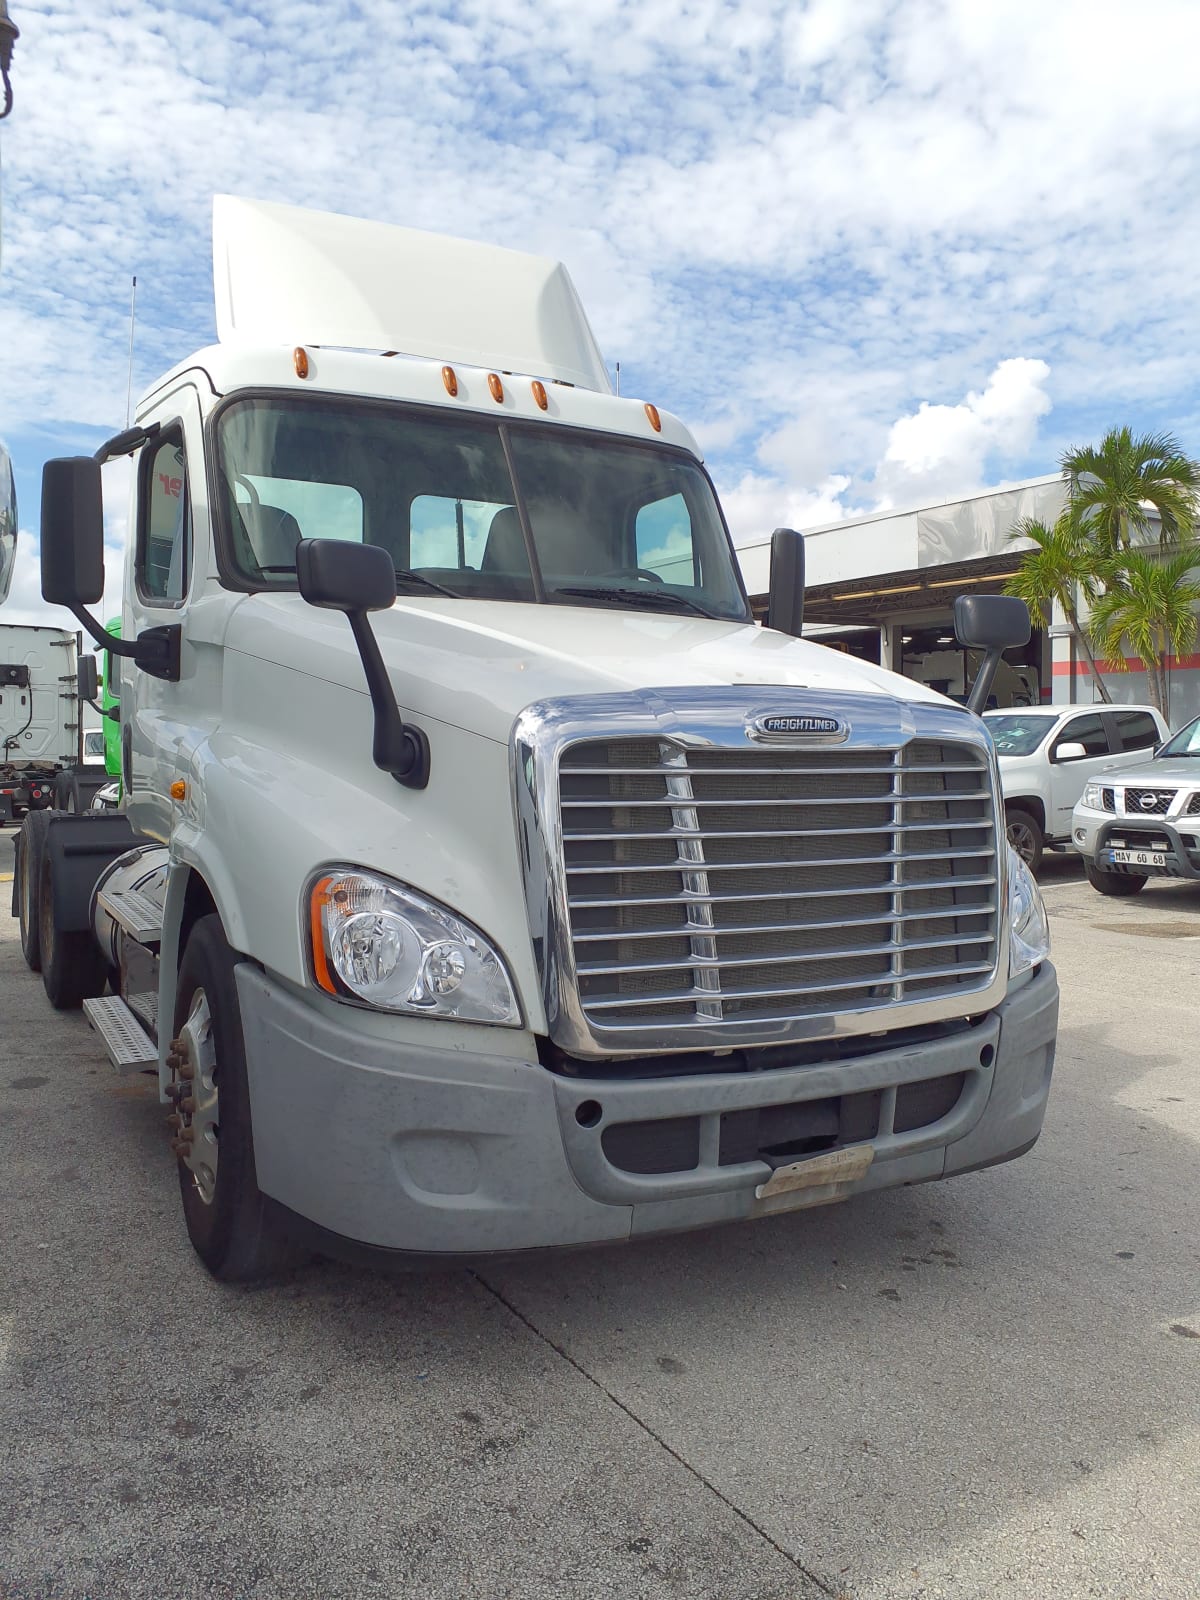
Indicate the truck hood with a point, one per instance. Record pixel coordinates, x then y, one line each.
1181 773
477 664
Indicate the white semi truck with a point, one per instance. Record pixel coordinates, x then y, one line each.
46 750
485 878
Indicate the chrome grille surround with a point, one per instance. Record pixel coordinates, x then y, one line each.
1148 802
689 889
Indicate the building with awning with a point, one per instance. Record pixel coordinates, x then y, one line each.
882 587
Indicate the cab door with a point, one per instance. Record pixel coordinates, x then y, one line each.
161 588
1069 777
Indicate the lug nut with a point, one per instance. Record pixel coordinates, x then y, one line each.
174 1091
187 1072
174 1120
188 1105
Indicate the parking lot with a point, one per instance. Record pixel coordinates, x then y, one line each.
986 1387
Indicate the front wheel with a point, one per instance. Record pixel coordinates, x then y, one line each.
30 848
1121 884
230 1222
1024 835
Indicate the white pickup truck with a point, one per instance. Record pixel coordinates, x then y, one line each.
485 878
1048 755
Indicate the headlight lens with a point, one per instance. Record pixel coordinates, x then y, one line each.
386 945
1029 940
1092 798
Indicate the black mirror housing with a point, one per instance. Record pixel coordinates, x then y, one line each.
785 604
88 677
72 532
991 621
338 576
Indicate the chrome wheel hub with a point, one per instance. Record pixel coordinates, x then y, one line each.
193 1056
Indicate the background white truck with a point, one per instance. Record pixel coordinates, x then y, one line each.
486 878
45 756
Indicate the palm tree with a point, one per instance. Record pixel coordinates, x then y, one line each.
1111 487
1061 564
1148 604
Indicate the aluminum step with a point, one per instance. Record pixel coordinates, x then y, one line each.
129 1046
140 917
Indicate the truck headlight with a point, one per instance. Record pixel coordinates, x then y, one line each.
1092 798
379 942
1029 931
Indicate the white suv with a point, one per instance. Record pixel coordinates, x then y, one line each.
1049 753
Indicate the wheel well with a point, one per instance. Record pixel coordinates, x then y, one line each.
197 902
1031 804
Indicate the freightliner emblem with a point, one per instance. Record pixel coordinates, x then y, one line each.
803 727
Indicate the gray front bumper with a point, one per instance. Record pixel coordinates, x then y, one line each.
392 1146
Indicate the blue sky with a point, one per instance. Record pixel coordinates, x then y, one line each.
873 251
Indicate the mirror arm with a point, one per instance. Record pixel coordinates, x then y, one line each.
124 444
396 748
118 647
984 680
155 650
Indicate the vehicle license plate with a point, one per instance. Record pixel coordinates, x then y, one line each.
1139 858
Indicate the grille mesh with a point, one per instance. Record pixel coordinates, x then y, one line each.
1193 809
1148 802
764 885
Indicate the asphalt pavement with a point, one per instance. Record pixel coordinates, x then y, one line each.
988 1387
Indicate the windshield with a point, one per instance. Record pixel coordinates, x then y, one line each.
474 508
1184 743
1015 735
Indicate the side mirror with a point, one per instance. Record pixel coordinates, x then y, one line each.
1071 751
8 524
88 677
993 623
785 604
356 579
72 532
339 576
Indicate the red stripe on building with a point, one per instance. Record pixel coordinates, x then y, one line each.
1064 669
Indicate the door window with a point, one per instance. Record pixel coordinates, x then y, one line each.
1138 730
164 524
1087 731
663 537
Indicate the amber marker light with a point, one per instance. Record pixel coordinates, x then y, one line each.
653 416
539 394
300 357
322 895
179 790
496 387
450 379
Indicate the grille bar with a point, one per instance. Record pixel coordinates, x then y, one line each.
786 927
667 931
587 902
814 861
786 957
779 990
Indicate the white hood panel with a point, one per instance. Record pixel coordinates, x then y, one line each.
476 665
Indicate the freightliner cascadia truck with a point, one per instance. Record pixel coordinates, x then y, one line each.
485 877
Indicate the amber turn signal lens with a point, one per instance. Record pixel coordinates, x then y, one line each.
450 379
300 357
178 790
539 394
496 387
321 896
655 419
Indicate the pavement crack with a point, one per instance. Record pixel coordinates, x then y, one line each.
835 1593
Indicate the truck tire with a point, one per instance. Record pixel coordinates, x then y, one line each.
233 1226
1121 884
73 965
1025 836
30 850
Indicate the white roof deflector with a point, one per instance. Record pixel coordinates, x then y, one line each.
283 275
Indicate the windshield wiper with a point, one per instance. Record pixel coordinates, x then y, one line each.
403 575
649 599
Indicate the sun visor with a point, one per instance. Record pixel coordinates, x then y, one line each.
284 275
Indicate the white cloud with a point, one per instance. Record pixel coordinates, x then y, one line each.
939 450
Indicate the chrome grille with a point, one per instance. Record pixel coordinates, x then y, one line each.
1193 807
715 885
1108 800
1148 802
